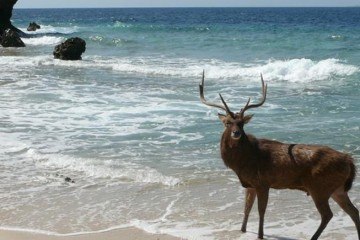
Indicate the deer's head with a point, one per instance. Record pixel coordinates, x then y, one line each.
233 121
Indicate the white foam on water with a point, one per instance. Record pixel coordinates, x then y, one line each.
184 230
46 29
119 24
11 146
12 62
340 225
44 40
97 169
306 70
337 37
27 230
293 70
160 225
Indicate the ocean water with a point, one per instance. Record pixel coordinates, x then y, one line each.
127 126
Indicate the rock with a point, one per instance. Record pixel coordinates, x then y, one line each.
11 38
67 179
33 26
71 49
6 8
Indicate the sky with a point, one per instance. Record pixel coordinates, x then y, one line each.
183 3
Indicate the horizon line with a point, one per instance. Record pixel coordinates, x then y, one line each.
116 7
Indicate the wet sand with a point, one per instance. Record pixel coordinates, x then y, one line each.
119 234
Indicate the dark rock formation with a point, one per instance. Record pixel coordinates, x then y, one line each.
6 8
69 180
71 49
11 38
33 26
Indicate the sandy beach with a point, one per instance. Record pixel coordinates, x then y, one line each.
119 234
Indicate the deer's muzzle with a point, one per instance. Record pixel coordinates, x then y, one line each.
236 134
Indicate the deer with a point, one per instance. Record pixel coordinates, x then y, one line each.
261 164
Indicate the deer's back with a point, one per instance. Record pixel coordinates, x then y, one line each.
303 167
264 162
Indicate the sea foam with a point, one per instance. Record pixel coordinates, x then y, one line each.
125 171
48 29
44 40
293 70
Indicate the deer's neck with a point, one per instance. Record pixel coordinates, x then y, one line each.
240 153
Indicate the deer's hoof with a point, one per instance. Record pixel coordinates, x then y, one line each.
261 237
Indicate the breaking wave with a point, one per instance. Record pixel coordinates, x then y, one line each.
48 29
44 40
294 70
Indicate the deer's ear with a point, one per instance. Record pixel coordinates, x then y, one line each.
247 118
222 117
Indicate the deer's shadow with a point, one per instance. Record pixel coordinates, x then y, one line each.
272 237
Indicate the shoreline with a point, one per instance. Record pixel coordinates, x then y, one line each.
130 233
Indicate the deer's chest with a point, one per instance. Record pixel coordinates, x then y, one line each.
243 165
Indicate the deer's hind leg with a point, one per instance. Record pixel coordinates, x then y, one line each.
250 195
322 205
342 198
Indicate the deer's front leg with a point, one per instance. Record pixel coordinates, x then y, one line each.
263 196
250 195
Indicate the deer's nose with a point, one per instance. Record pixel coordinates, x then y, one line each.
236 134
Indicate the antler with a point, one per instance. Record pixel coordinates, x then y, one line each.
247 106
202 98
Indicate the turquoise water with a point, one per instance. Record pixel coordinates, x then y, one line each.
127 125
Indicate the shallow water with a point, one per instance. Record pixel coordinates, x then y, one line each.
127 125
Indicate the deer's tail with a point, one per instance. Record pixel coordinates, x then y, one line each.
349 181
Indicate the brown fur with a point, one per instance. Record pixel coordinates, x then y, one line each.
262 162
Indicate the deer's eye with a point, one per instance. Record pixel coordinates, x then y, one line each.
228 124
